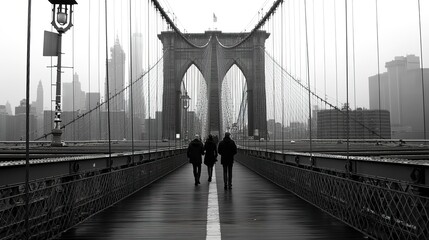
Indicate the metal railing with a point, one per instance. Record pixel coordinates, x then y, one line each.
382 207
60 202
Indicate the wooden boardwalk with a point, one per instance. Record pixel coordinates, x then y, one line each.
173 208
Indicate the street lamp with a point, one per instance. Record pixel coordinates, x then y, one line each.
63 9
185 98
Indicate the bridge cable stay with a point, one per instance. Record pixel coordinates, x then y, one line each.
282 83
148 74
113 99
274 86
89 71
378 64
107 87
331 105
354 61
336 61
131 85
422 70
308 78
347 87
324 100
73 87
99 66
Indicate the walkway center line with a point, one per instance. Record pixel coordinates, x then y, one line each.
213 222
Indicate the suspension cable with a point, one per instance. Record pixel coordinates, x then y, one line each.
347 85
107 87
308 78
378 66
422 71
131 84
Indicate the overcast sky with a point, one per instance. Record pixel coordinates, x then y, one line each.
398 36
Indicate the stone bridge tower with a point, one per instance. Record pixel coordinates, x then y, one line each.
214 53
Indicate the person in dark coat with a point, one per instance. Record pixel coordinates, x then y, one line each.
195 150
227 149
210 155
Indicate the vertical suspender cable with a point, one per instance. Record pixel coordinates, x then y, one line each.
378 67
123 92
156 97
107 88
314 48
131 88
51 113
73 88
336 65
27 127
73 72
89 71
98 64
281 78
354 69
347 86
148 69
308 78
274 90
324 49
421 63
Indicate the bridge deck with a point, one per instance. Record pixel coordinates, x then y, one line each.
173 208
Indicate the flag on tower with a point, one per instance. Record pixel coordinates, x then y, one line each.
214 18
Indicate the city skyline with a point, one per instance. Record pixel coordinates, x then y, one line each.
392 42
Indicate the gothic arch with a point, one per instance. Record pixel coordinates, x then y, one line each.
214 60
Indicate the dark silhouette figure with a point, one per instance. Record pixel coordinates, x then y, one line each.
195 150
227 149
210 155
216 139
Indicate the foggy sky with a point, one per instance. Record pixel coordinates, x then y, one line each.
398 32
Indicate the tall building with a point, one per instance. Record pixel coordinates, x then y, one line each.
3 122
139 107
73 96
8 108
39 99
17 125
39 107
274 129
400 93
92 100
116 74
363 124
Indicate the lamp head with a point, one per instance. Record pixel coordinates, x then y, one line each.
63 9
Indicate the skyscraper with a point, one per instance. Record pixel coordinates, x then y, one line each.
39 107
73 96
39 99
116 74
92 100
3 122
139 107
8 108
401 94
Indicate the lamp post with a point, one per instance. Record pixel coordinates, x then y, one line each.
185 98
62 13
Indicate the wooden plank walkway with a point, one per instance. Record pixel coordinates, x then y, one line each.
173 208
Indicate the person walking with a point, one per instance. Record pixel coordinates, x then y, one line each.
195 151
227 149
210 155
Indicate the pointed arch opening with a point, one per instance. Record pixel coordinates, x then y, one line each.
234 102
193 104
